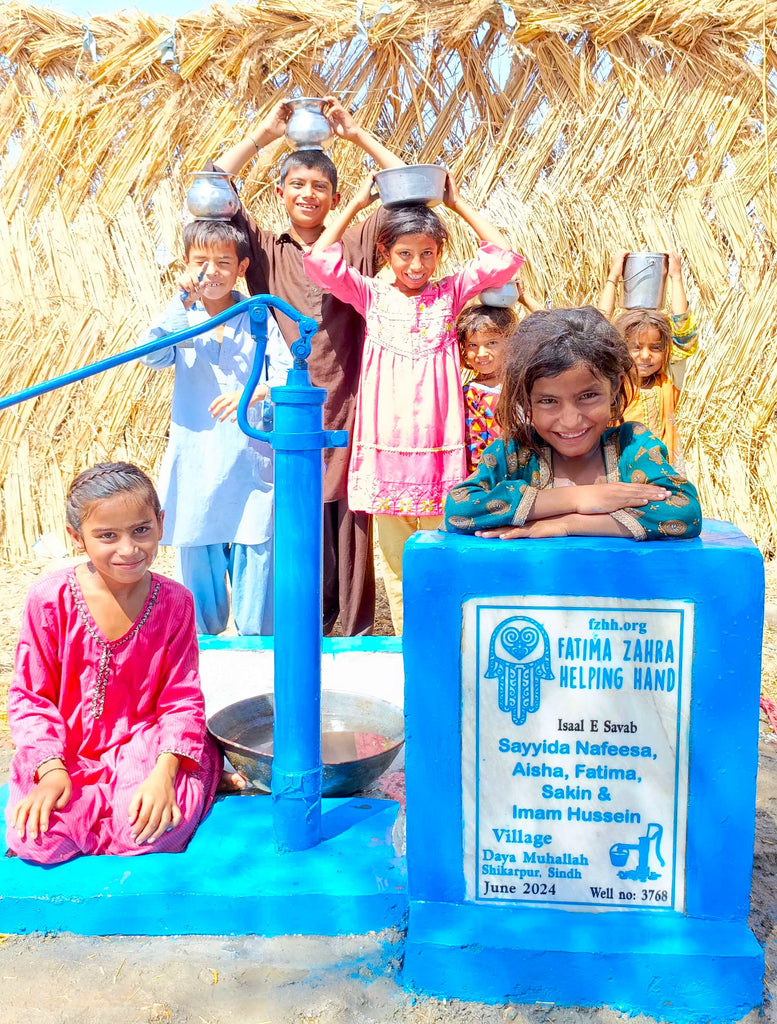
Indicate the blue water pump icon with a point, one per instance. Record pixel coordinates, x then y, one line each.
619 855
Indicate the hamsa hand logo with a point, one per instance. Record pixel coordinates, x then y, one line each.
519 657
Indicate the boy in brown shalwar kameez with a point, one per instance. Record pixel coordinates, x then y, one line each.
308 190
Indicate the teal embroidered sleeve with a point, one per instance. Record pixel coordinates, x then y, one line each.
643 459
500 492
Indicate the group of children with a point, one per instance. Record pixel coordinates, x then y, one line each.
549 437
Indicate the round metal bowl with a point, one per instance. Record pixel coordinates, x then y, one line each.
417 183
360 737
505 295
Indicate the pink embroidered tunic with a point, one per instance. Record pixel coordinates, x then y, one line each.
108 709
408 444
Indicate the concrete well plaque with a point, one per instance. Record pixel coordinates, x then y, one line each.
581 723
575 716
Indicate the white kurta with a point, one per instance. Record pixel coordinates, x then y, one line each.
215 483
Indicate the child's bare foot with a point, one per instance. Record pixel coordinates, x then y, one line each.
232 782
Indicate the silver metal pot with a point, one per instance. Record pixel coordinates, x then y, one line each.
307 127
211 197
417 183
644 279
505 295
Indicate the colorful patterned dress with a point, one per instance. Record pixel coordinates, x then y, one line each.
108 709
503 489
480 426
408 444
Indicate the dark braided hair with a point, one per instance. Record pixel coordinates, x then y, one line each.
104 481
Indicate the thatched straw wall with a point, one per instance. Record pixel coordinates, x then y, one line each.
582 127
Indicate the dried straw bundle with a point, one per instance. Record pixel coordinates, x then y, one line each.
581 128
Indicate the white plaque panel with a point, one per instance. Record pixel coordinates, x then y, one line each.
575 715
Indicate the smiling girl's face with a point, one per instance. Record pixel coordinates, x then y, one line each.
648 352
571 411
484 352
120 534
413 259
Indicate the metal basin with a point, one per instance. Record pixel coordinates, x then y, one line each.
360 737
417 183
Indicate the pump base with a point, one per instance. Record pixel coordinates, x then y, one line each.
229 881
667 966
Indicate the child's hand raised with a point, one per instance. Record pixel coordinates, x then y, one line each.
153 809
675 266
616 265
274 124
225 405
594 499
451 197
51 793
366 194
341 120
189 284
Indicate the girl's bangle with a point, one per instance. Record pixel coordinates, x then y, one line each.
610 281
256 144
57 769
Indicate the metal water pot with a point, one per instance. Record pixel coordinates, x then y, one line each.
644 280
504 296
307 127
211 197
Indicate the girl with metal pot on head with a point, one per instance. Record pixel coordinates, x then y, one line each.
408 444
659 347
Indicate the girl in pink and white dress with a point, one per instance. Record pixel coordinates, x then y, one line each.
408 444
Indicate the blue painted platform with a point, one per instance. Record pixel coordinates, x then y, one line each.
229 881
677 969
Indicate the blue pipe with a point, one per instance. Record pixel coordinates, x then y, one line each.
308 328
297 440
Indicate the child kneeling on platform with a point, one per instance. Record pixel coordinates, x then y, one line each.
105 708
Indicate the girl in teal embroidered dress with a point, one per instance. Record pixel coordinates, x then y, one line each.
566 463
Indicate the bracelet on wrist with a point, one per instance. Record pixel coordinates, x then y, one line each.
59 768
256 144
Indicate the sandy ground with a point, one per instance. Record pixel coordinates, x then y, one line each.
66 979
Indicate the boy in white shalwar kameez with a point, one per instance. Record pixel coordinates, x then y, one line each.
216 484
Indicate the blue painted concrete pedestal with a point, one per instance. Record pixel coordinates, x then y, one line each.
693 959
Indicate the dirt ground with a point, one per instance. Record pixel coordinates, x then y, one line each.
66 979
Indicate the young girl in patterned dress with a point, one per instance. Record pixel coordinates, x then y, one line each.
566 463
105 707
659 346
483 332
408 443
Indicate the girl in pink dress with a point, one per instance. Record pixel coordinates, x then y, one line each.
408 437
105 708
